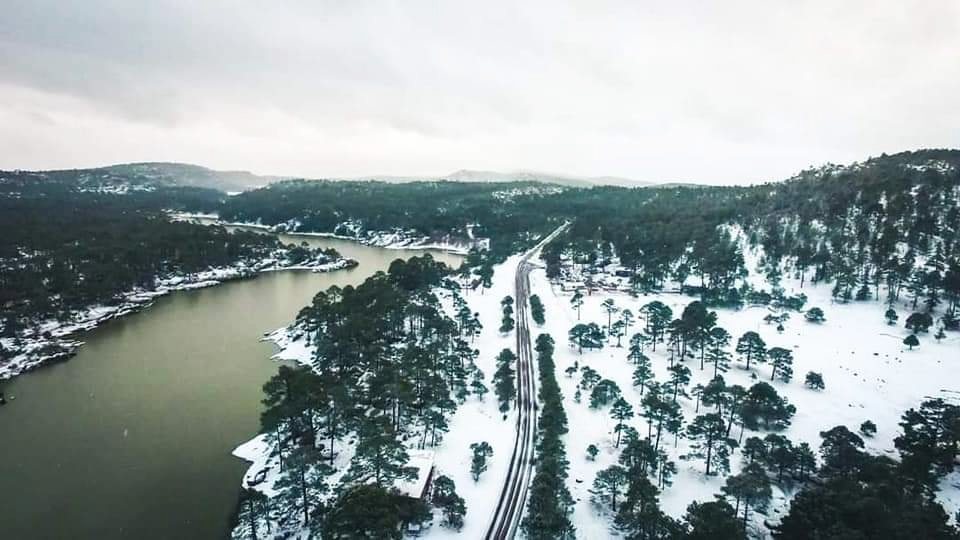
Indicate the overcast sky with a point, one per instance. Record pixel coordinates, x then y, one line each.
713 92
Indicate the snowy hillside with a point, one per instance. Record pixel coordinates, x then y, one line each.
869 374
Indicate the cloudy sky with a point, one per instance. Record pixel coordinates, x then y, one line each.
716 92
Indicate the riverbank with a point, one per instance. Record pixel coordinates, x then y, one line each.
52 340
395 239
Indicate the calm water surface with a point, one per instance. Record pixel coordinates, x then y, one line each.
132 437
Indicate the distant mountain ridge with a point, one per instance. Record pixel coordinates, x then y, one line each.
146 174
483 176
185 174
140 177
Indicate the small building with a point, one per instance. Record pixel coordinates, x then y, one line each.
419 487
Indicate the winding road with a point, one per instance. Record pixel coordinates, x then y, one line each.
513 496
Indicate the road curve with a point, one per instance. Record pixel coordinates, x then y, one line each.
513 495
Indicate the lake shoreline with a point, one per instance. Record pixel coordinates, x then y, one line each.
51 341
397 239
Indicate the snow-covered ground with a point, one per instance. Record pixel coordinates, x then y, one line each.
477 421
52 339
869 375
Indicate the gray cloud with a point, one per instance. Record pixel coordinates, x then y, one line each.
726 92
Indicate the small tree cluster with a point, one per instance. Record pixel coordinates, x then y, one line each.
506 322
536 309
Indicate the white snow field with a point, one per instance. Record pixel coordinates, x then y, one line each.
869 375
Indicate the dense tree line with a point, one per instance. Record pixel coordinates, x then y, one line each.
550 503
389 369
860 495
459 209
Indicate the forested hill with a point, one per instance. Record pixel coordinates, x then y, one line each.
892 220
458 209
65 250
906 201
141 177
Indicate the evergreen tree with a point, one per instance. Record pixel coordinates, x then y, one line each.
658 316
754 450
503 379
610 307
697 393
617 331
536 309
610 484
712 520
842 452
814 381
782 361
762 406
679 379
891 316
364 511
806 461
940 334
751 347
604 393
640 517
588 378
714 394
911 341
707 433
303 483
251 510
577 301
919 322
379 457
716 352
660 414
636 347
781 455
478 463
444 496
586 335
507 323
621 411
814 315
696 324
476 384
751 488
627 319
930 442
592 452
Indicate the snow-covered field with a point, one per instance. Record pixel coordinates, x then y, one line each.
51 340
869 375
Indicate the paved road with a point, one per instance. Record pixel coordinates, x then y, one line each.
513 496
